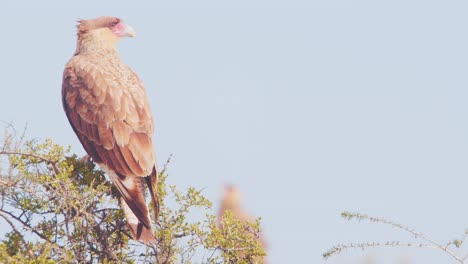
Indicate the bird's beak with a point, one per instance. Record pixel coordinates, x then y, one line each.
128 31
123 30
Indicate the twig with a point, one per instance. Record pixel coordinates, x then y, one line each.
360 217
25 225
49 161
26 246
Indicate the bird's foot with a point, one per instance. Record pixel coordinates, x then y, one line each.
85 158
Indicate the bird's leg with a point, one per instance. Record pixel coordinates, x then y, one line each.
86 159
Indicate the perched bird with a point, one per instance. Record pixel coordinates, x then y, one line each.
107 106
231 202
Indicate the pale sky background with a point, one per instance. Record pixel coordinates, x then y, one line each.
309 107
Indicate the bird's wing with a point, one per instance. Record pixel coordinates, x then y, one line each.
111 116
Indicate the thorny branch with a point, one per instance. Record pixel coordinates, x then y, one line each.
25 244
42 158
429 242
3 213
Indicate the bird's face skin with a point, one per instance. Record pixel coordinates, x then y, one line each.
113 33
122 30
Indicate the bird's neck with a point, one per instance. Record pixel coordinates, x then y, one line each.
97 44
230 205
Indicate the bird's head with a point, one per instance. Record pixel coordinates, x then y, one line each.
230 196
103 31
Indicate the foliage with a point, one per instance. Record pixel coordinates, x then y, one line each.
62 209
424 241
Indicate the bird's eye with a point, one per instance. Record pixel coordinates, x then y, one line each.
114 23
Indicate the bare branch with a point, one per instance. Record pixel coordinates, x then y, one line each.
363 217
25 225
25 244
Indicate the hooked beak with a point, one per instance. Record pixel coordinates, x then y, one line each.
129 31
123 30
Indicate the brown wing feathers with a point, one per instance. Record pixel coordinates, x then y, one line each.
114 136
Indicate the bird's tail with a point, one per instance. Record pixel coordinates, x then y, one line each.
152 182
134 206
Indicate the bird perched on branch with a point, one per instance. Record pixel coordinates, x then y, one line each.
107 106
231 202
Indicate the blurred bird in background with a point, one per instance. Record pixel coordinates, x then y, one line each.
231 202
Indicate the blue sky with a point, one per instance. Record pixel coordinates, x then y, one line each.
309 107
